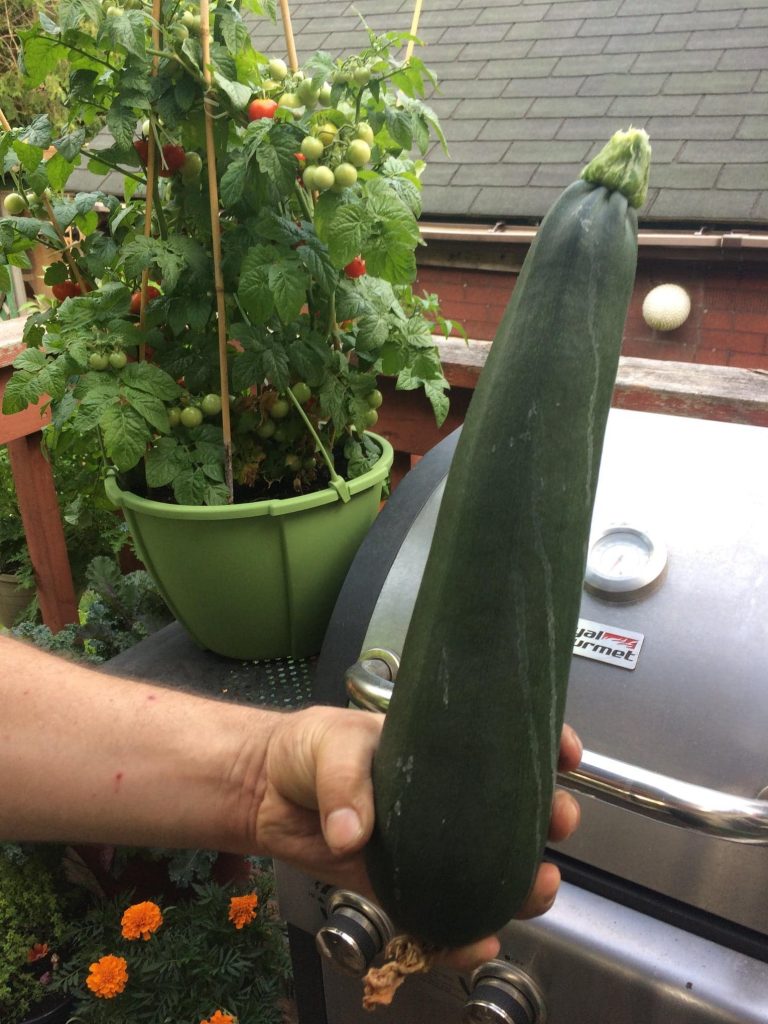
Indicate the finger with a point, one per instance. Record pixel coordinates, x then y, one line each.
544 891
566 814
571 750
343 760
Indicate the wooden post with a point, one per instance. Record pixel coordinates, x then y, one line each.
36 493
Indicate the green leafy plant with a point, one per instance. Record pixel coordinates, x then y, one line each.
32 923
19 103
91 527
319 198
117 611
220 956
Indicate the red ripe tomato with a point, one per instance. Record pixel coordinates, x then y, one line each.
142 148
300 157
355 268
261 108
173 160
135 307
66 290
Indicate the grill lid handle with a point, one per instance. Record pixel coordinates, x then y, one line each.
370 682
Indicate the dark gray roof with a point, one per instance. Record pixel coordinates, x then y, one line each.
531 89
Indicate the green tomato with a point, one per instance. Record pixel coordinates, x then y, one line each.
365 132
211 405
174 416
312 148
98 361
345 175
280 409
301 392
289 100
191 416
191 168
324 178
327 133
133 5
266 429
361 76
324 96
278 69
308 178
180 32
118 359
292 462
358 152
114 12
374 399
306 93
15 204
371 418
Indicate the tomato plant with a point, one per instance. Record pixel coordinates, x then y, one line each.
318 178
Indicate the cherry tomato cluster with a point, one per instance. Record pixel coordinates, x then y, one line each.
174 157
66 290
193 411
135 307
333 162
100 361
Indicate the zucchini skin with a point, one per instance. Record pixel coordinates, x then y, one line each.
464 774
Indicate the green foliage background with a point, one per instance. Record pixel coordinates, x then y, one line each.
19 103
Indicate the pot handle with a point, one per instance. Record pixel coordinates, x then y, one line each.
370 682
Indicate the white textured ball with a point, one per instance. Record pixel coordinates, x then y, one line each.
666 307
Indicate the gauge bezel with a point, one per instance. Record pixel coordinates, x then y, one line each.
617 587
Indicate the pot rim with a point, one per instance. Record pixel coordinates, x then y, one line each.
264 507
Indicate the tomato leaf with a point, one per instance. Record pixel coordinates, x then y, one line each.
125 433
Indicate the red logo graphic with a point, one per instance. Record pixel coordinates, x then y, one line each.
625 641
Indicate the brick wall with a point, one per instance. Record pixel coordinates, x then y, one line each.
728 324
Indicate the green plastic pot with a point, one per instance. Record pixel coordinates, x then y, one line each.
13 599
257 580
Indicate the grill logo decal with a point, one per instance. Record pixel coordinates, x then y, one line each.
613 644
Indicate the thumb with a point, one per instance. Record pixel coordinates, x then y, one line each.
343 761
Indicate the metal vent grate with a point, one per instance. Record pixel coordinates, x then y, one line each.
278 683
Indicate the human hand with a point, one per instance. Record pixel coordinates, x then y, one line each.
316 809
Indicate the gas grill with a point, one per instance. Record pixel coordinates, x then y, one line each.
662 917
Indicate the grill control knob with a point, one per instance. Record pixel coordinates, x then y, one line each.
356 930
503 994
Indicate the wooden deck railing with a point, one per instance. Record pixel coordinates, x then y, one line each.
651 385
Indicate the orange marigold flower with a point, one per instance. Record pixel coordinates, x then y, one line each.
242 909
108 977
220 1018
37 952
141 920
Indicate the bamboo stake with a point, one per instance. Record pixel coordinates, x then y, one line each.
218 276
71 263
290 44
151 178
414 30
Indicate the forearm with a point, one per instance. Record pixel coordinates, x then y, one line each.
87 757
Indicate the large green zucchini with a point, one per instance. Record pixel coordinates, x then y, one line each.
465 771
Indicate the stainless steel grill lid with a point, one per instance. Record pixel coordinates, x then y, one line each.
671 669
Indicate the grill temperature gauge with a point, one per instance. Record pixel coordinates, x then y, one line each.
623 562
